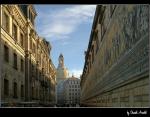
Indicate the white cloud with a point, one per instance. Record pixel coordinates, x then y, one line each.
76 72
61 23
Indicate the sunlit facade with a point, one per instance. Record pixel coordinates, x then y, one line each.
27 73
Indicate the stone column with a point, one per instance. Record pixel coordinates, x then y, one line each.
27 64
27 76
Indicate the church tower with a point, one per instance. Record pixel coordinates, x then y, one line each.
61 76
61 61
62 72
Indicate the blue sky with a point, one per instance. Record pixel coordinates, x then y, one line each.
67 28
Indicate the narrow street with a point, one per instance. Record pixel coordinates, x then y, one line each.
72 56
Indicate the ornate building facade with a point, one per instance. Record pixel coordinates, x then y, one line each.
71 91
27 73
116 70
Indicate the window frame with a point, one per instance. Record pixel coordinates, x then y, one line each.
6 53
22 39
15 61
5 21
15 94
22 91
14 34
6 87
22 65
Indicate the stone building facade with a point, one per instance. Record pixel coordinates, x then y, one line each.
27 73
71 91
116 70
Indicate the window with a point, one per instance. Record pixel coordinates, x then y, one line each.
22 65
32 93
22 91
5 22
6 87
15 90
6 53
32 69
31 44
33 48
15 61
15 32
21 40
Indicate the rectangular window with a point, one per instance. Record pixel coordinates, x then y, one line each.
32 93
6 53
33 48
22 65
6 87
15 61
22 91
31 44
15 90
21 40
14 32
5 22
32 69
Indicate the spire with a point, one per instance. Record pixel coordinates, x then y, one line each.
61 61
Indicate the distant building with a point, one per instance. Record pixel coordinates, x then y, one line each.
61 75
71 91
116 69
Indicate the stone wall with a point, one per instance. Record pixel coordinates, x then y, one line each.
120 69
